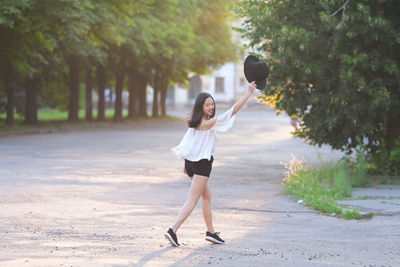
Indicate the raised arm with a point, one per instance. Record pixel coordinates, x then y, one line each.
208 124
250 89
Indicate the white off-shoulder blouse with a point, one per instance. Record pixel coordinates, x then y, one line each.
200 144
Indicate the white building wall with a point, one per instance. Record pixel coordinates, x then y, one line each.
227 72
181 96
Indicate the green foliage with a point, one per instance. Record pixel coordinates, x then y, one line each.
183 37
12 10
361 176
39 37
381 162
341 186
360 169
394 158
351 214
319 188
340 73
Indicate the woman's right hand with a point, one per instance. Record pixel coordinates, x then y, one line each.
251 87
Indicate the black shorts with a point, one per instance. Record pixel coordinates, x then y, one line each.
202 167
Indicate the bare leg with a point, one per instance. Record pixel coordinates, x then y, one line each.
207 209
196 189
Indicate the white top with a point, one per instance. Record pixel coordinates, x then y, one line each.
200 144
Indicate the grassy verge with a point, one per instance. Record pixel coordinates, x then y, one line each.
319 188
55 120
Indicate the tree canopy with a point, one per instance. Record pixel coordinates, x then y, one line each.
48 47
335 64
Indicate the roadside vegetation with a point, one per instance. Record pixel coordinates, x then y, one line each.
320 187
58 115
345 96
53 120
344 93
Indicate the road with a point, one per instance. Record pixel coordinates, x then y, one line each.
105 197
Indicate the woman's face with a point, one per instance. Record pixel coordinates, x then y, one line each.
208 107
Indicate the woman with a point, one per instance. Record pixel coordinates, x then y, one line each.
197 148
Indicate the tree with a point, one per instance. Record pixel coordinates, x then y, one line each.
196 38
50 49
336 64
18 34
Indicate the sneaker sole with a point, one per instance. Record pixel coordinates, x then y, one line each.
171 240
213 240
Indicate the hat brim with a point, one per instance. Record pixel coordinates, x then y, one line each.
261 84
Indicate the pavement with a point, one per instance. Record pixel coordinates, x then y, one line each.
104 197
380 199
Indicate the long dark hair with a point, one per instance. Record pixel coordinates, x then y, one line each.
197 111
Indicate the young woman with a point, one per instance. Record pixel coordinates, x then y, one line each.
197 148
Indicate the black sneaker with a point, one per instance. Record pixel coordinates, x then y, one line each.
214 238
171 236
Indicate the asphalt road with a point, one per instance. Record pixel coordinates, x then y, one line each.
105 197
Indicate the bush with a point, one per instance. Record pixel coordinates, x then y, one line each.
384 162
394 158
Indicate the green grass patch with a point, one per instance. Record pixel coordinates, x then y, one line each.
319 188
60 115
51 120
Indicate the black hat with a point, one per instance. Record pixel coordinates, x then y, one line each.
257 71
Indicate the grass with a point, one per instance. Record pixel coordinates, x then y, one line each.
51 120
372 197
59 115
320 188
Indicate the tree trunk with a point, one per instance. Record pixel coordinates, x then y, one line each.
162 102
142 97
155 102
31 88
131 88
73 107
156 90
101 86
137 94
10 94
119 84
88 95
10 105
163 89
138 81
393 131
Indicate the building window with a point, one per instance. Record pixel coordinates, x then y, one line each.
219 85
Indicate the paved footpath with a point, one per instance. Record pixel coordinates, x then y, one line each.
105 198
